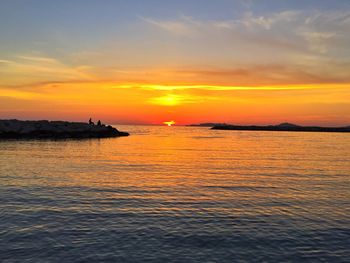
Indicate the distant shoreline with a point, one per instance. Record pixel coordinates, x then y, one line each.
43 129
282 127
207 124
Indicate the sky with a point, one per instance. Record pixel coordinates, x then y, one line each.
190 61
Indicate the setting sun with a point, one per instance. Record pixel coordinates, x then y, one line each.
169 123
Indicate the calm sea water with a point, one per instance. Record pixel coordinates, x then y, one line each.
177 194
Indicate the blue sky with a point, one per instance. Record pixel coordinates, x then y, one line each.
23 23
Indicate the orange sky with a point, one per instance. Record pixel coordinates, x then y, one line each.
154 104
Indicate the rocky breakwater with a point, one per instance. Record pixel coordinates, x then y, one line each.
15 129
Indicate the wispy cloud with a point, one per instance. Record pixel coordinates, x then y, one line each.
267 22
22 69
4 61
174 100
293 26
38 59
185 26
291 46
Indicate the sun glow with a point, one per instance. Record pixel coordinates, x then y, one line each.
169 123
168 100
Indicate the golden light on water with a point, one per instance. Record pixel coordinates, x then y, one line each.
169 123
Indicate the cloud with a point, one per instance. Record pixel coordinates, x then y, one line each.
180 99
301 30
318 40
183 27
22 69
186 24
292 46
45 60
267 22
4 61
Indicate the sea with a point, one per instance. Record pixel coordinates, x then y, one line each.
177 194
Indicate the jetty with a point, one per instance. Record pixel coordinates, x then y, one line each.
44 129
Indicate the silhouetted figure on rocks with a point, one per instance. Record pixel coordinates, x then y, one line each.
99 123
91 122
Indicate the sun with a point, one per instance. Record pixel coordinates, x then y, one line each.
169 123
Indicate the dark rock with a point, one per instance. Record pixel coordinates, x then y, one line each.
15 129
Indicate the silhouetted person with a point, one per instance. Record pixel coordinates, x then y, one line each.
99 123
91 122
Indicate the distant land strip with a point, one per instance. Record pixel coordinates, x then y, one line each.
281 127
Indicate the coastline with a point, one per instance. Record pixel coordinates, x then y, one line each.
282 127
44 129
